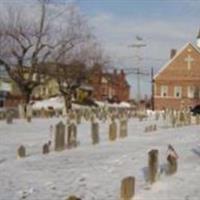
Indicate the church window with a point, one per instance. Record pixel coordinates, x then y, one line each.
164 91
191 91
177 91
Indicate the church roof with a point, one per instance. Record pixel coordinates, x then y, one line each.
174 58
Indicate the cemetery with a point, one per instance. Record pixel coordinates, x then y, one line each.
102 153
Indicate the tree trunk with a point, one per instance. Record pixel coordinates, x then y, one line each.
27 98
68 102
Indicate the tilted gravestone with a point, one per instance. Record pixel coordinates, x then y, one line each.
152 165
45 149
60 137
127 188
21 152
172 164
123 128
72 135
95 133
113 131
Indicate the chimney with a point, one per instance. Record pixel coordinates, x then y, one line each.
115 72
172 53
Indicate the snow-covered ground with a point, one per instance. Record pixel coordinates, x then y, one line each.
95 172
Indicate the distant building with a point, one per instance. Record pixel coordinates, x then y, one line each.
110 86
177 84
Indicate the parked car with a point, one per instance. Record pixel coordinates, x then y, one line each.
195 110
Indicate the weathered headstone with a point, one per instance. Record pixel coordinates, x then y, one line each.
197 119
123 128
45 149
172 164
29 112
95 133
152 165
60 137
173 120
21 152
9 118
113 131
21 111
72 135
127 188
73 198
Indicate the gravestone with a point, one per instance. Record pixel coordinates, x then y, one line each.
152 165
60 137
123 128
72 135
29 112
127 188
21 152
73 198
154 127
21 111
197 119
173 120
9 118
95 133
172 164
182 118
157 116
45 148
113 131
78 118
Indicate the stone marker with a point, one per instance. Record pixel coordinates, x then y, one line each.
172 164
152 165
127 188
73 198
45 148
95 133
72 135
21 111
60 137
113 131
21 152
197 119
29 112
123 128
9 118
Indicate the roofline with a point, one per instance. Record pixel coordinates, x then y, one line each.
171 60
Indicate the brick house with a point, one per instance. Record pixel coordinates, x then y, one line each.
177 84
112 86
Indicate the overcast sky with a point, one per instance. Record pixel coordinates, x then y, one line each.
163 25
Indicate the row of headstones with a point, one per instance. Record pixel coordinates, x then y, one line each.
59 140
127 191
72 133
150 128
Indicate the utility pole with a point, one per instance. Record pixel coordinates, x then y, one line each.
138 46
152 89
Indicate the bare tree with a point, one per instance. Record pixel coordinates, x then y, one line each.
62 40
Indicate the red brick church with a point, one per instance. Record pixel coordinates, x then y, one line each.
177 84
